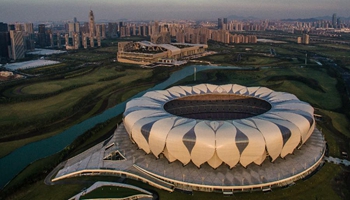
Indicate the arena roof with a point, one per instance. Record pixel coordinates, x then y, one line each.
276 132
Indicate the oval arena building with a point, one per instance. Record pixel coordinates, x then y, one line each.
212 124
210 138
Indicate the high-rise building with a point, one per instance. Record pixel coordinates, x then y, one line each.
28 28
299 40
92 42
76 43
11 27
92 27
19 27
66 39
180 37
112 30
17 45
77 27
3 27
71 29
85 28
121 24
41 28
51 40
155 29
133 30
334 20
306 39
98 30
103 31
98 41
84 37
42 35
4 41
339 22
220 23
58 40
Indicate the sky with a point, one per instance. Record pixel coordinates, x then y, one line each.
56 10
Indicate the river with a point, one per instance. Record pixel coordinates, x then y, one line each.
17 160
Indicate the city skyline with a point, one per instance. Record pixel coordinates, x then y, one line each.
52 10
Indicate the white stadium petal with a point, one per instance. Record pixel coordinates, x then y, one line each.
157 140
175 144
226 147
204 147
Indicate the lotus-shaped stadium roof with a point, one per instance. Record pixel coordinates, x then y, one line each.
218 124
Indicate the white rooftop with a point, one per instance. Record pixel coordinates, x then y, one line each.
46 52
29 64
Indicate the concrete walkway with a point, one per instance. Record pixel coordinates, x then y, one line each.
337 161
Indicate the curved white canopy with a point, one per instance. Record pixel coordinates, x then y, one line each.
276 132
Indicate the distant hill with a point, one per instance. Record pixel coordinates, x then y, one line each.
328 18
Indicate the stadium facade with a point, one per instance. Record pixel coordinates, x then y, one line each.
210 138
146 52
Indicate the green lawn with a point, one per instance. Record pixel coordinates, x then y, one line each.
330 99
102 72
336 46
339 121
44 108
89 56
258 60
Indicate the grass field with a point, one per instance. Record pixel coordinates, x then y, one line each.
47 107
102 72
339 122
330 98
88 56
108 95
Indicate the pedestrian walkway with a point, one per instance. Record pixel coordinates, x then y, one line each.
145 195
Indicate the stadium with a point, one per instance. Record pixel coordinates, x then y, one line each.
206 137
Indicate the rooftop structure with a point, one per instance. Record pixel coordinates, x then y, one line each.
212 124
146 52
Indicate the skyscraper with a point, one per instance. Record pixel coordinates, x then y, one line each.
112 30
28 27
220 23
334 20
17 44
4 40
339 22
58 40
71 29
77 27
42 35
92 28
103 31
